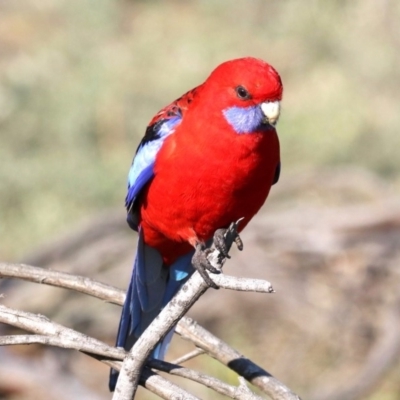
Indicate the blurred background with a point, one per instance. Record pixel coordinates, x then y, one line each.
80 80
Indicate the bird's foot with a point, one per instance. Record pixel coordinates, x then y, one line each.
222 241
224 236
202 264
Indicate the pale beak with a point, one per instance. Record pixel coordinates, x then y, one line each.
271 111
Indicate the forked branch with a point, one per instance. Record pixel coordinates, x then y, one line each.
132 371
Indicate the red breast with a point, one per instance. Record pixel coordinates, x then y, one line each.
204 180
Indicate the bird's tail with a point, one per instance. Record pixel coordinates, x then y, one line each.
151 287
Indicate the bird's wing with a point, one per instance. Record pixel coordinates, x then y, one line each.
142 169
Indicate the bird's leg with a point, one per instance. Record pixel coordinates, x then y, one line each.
201 263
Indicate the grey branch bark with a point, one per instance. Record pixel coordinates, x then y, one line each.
61 279
163 387
108 293
243 284
241 392
90 346
234 360
50 333
53 334
56 333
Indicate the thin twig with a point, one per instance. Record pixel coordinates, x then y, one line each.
188 356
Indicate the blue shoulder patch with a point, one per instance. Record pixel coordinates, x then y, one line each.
142 168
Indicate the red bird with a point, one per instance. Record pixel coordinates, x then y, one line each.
207 159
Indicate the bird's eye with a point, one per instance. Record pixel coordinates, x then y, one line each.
242 93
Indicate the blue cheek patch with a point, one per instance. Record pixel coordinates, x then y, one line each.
245 119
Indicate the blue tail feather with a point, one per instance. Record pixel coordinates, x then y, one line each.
151 287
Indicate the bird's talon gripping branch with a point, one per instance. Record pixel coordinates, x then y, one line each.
220 242
201 263
221 239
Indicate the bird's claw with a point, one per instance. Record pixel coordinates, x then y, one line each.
220 239
239 242
202 265
220 242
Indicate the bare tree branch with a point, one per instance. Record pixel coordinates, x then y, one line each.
241 392
163 387
108 293
61 279
179 306
87 347
230 357
91 347
243 284
154 383
56 333
70 339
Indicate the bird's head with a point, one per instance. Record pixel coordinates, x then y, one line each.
248 91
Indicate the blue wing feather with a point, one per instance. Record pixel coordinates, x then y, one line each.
142 168
160 127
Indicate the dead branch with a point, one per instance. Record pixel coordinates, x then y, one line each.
230 357
61 279
85 285
57 335
240 392
154 382
52 334
243 284
90 347
163 387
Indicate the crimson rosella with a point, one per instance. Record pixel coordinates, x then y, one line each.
207 159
